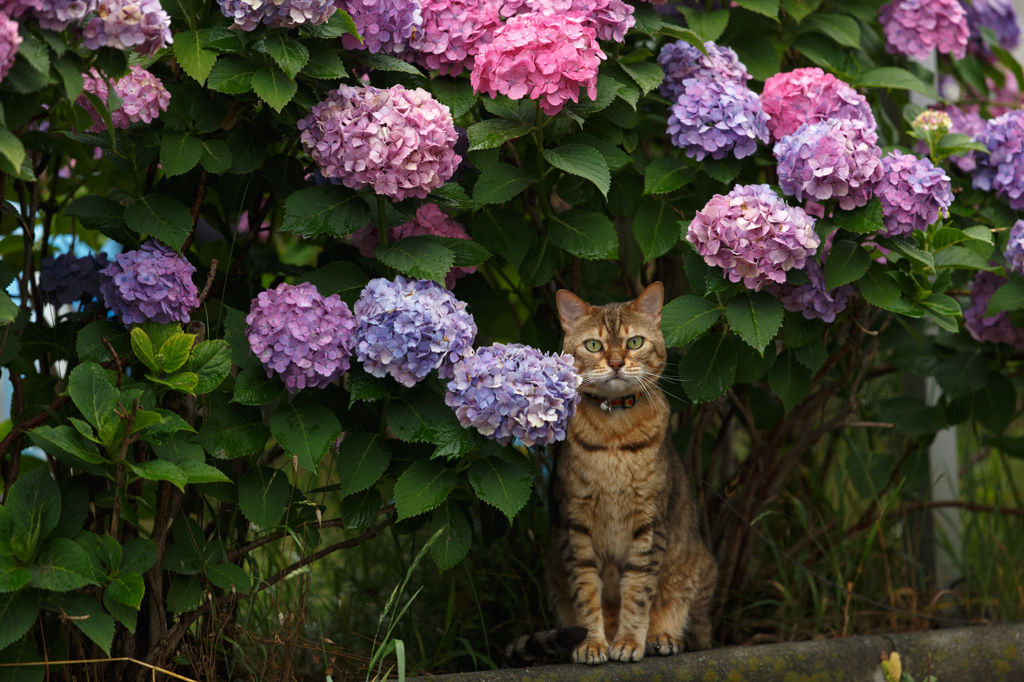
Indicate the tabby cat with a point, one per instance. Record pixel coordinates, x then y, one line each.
626 559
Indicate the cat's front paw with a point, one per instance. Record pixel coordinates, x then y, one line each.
626 650
663 645
591 652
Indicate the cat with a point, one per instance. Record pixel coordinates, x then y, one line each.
626 559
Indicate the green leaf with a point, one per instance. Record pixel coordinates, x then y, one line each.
184 594
647 19
864 220
664 175
128 589
92 393
340 277
768 8
750 364
385 62
942 305
822 51
500 183
840 28
465 252
656 228
229 577
847 262
11 147
422 487
161 217
755 317
247 153
911 415
184 382
216 156
174 352
540 263
961 257
274 87
452 545
994 406
253 387
100 213
897 79
324 210
798 9
420 257
289 53
161 470
232 75
647 75
879 288
812 356
17 614
962 373
211 362
194 60
324 63
585 234
306 429
501 484
1010 296
455 93
143 349
262 495
64 439
12 576
495 132
417 415
760 54
89 617
503 233
451 195
724 170
686 318
707 25
63 566
24 651
708 368
179 152
362 459
89 344
583 161
232 430
789 379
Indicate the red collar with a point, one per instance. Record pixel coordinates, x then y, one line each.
608 403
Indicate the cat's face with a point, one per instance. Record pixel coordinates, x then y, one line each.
618 347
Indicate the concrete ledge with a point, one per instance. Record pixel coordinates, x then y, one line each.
993 653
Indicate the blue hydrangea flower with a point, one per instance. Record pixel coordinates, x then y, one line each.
152 283
681 60
1002 169
515 391
1014 253
998 15
66 279
409 327
712 117
814 300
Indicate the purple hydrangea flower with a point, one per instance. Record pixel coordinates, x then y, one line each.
409 327
681 60
831 159
712 117
142 94
285 14
515 391
385 25
998 15
1002 169
453 32
9 41
753 235
128 24
15 8
399 142
914 27
814 300
967 122
810 95
913 193
57 15
303 337
152 283
1014 253
66 279
997 328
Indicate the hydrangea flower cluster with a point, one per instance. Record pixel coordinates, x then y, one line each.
128 24
831 159
1014 253
152 283
997 328
933 121
515 391
385 25
453 32
610 19
57 15
547 58
1002 169
913 193
399 142
67 279
284 13
429 220
9 41
753 235
914 27
681 60
810 95
814 300
968 123
409 327
712 117
142 94
300 335
998 15
15 8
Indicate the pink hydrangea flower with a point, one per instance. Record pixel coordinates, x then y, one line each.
9 41
129 24
753 235
546 58
429 220
611 19
810 95
399 142
142 94
914 27
913 193
453 32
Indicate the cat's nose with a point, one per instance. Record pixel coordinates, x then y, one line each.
616 365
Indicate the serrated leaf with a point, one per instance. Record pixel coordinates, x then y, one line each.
184 382
63 566
707 25
323 63
89 344
306 429
798 9
160 470
324 210
452 545
840 28
179 152
664 175
812 356
422 487
655 227
864 220
962 373
216 157
709 367
500 183
64 439
847 262
1009 296
647 75
12 576
897 79
99 213
194 60
17 614
585 234
127 588
504 233
211 362
93 394
289 53
455 93
253 387
724 170
262 495
161 217
420 257
755 317
89 617
11 147
274 87
185 593
231 75
583 161
686 318
229 577
232 430
877 287
768 8
501 484
174 352
362 459
789 379
385 62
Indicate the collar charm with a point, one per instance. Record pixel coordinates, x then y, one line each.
607 404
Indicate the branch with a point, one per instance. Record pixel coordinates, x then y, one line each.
120 468
234 554
117 358
209 282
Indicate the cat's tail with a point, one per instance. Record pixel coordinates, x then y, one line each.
531 649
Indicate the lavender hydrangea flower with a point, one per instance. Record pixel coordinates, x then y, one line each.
998 15
712 117
9 41
142 94
399 142
997 328
385 25
753 235
57 15
284 14
681 60
152 283
810 95
409 327
814 300
913 193
300 335
835 158
66 279
515 391
15 8
1002 169
128 24
967 122
914 27
1014 253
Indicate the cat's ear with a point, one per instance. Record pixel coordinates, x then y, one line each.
571 308
650 300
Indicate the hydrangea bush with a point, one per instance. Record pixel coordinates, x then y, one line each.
351 217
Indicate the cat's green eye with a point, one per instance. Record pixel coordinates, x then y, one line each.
593 345
634 342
